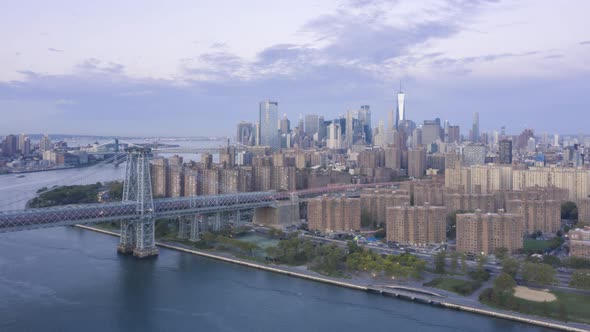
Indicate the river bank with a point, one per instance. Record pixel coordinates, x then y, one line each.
416 295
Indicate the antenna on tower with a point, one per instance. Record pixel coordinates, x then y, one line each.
400 85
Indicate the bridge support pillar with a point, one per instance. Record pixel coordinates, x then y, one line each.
183 228
217 222
238 221
137 236
194 228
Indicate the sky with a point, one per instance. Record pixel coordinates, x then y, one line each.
192 68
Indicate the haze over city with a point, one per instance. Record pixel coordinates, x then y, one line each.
149 68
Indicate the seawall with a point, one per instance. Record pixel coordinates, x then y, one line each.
401 293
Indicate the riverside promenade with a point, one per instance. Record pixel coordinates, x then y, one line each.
442 299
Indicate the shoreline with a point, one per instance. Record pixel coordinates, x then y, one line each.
400 292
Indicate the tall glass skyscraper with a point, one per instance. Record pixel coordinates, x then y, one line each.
268 122
475 129
401 115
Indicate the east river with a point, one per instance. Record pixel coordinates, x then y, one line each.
69 279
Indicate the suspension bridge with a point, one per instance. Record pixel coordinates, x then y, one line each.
138 209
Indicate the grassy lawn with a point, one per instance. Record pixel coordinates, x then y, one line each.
567 307
461 287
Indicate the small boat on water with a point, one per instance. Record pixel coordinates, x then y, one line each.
20 176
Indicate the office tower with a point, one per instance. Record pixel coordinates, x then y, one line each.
268 120
349 131
207 160
483 233
365 123
334 136
523 139
334 214
556 140
505 152
532 145
474 154
245 133
311 124
401 115
417 225
475 129
45 144
285 125
391 124
454 134
322 129
416 162
10 145
431 131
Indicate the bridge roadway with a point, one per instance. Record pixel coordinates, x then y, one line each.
12 221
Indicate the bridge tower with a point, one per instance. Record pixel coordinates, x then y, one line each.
137 235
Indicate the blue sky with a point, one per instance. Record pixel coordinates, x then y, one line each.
197 68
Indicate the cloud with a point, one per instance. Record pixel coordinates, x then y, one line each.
585 42
54 50
97 66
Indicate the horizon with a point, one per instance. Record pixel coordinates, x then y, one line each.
154 74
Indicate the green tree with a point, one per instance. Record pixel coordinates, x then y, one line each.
501 253
538 273
503 288
510 266
463 263
569 211
439 262
581 279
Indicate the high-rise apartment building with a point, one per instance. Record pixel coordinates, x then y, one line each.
539 214
483 233
9 146
416 225
45 144
416 162
576 180
268 122
158 173
374 202
175 177
333 214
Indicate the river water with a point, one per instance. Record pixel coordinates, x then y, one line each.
69 279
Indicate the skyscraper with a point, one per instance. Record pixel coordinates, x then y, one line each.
505 152
268 122
401 115
311 124
285 125
334 136
475 129
245 133
365 119
45 144
10 145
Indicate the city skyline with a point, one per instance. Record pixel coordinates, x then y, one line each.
320 59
